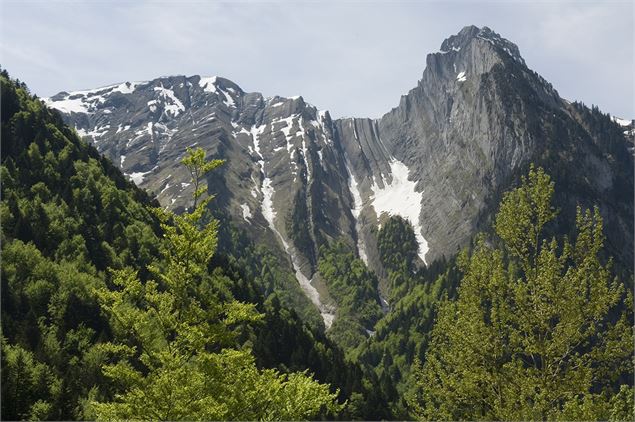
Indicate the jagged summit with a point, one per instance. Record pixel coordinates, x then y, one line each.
473 33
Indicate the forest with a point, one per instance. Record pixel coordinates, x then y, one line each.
115 308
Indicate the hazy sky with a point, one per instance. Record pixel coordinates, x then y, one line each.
352 58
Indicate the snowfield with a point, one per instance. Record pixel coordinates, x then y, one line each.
399 197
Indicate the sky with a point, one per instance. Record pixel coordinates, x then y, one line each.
350 57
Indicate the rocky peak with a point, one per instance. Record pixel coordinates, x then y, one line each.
473 34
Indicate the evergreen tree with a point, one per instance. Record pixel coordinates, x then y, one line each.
355 289
534 333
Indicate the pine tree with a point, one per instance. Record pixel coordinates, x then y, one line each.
535 332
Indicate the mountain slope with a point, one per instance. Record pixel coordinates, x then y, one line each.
69 217
296 179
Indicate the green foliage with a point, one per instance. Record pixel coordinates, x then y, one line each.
284 340
397 245
220 386
258 273
196 164
354 289
523 215
67 215
402 335
173 357
112 309
398 248
532 334
35 386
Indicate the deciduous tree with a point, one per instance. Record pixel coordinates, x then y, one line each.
535 332
174 359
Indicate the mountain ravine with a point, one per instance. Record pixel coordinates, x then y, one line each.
295 178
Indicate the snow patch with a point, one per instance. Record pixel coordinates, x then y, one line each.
451 49
172 104
269 214
127 87
246 212
67 105
461 77
622 122
286 130
167 186
229 100
399 197
267 207
86 101
97 132
305 151
208 83
385 306
140 133
289 133
138 177
152 105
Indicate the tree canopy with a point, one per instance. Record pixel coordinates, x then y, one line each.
540 329
174 357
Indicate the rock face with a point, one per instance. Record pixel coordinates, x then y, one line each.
295 178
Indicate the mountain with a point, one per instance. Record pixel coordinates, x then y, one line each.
71 222
296 179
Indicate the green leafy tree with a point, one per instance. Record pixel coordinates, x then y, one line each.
175 360
536 331
198 167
